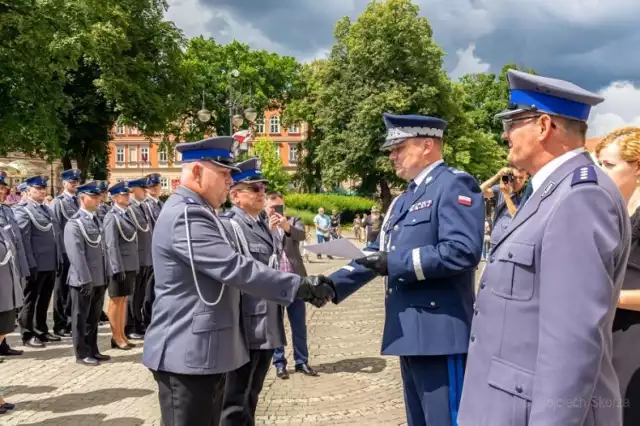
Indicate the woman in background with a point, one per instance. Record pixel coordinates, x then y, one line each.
619 156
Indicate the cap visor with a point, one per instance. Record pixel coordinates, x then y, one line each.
507 113
387 145
232 167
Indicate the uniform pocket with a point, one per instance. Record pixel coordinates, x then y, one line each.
513 392
206 328
417 217
516 274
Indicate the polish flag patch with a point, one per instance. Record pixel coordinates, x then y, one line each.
465 201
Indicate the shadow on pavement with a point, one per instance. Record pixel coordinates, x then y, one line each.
21 389
79 401
355 365
88 419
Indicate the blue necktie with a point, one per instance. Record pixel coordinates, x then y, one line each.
405 195
527 193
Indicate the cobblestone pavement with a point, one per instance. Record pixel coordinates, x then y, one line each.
355 386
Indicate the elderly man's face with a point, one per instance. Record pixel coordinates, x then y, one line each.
214 181
408 157
249 196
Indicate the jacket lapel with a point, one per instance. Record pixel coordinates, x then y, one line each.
254 226
546 189
410 199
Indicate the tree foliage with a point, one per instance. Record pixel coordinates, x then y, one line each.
266 150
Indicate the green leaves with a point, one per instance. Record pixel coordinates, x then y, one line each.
272 169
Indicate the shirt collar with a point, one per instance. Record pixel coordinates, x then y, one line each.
155 200
87 212
120 208
134 201
538 179
423 174
68 194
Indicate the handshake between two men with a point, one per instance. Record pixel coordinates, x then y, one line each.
318 289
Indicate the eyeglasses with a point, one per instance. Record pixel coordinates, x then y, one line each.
257 187
507 124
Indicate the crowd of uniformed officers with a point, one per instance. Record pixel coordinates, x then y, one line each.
76 250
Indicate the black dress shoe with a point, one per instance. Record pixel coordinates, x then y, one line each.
10 352
62 333
8 406
306 370
282 373
3 410
135 336
115 345
34 342
48 337
89 361
101 357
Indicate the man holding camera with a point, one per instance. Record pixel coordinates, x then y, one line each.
508 194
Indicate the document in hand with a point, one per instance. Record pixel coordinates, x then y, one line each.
341 247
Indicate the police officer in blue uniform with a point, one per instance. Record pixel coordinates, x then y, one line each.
103 208
196 333
428 251
64 206
541 342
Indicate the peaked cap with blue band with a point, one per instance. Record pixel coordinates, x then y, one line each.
90 188
71 174
39 180
219 150
403 127
138 183
533 93
119 188
3 176
103 186
153 179
22 187
250 172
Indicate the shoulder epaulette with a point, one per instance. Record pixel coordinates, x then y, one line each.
189 200
228 214
584 174
456 171
60 197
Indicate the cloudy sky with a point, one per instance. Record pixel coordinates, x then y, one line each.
590 42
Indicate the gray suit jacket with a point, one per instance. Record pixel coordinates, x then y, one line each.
186 335
154 207
8 223
291 244
541 338
10 288
64 207
138 213
263 320
121 240
40 235
85 250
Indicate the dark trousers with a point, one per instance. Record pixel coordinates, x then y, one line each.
432 388
62 300
297 319
37 296
188 400
242 389
149 298
85 315
134 303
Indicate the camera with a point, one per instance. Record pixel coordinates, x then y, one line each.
508 178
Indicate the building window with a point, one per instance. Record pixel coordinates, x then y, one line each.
293 153
119 154
164 182
259 126
134 131
120 130
162 156
293 129
144 155
274 124
177 157
133 154
276 147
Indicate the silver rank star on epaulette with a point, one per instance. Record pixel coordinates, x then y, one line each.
456 171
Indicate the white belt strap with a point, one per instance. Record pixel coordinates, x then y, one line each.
41 228
383 233
92 243
244 245
124 237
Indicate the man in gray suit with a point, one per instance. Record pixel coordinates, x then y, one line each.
141 217
196 334
540 351
42 242
263 319
289 232
64 206
86 253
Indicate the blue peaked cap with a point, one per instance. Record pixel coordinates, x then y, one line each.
153 179
71 174
22 187
119 188
3 176
39 180
103 186
403 127
534 93
91 188
138 183
219 150
250 172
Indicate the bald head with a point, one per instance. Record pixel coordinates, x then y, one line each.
210 181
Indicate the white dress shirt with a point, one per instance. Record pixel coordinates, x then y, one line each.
538 179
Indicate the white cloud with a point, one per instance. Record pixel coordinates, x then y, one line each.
190 17
468 63
620 108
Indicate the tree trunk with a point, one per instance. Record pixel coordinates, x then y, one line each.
83 165
385 194
66 162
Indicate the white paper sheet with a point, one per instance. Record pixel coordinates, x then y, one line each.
341 247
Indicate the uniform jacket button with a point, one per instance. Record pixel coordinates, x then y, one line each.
518 388
395 228
432 304
473 338
482 285
492 259
283 293
389 291
401 280
393 248
509 255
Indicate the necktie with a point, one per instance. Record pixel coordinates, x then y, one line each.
405 195
96 221
75 201
527 193
45 210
